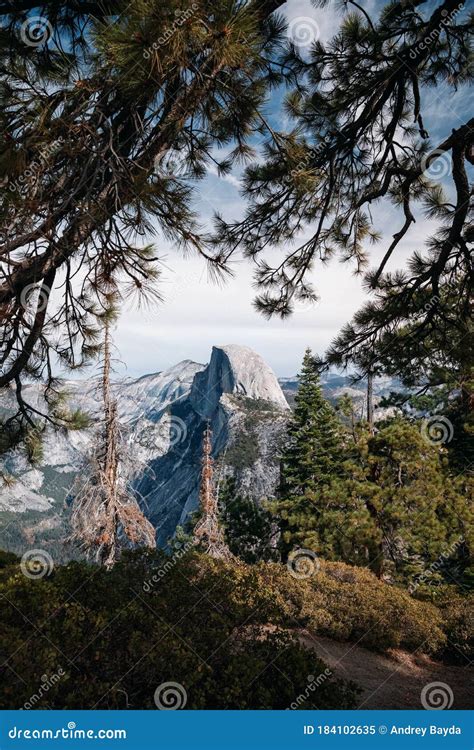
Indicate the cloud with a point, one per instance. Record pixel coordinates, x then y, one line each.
234 181
197 313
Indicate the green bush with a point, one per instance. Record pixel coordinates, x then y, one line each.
7 558
338 601
113 638
458 624
352 604
227 632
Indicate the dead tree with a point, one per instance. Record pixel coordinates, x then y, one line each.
105 513
208 533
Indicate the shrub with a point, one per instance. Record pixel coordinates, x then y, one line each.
7 558
347 603
114 637
458 624
227 632
249 528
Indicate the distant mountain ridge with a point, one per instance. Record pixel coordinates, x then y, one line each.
162 416
336 385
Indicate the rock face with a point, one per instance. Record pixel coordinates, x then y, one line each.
235 370
163 418
240 397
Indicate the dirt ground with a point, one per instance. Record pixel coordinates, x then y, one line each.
393 680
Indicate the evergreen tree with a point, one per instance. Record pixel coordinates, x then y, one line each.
388 501
436 372
94 107
361 137
250 529
312 458
396 508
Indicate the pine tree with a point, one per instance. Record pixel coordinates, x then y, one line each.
436 372
311 459
360 133
250 529
396 508
93 109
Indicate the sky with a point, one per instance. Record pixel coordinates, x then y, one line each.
197 314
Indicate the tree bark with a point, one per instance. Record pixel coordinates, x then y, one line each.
370 402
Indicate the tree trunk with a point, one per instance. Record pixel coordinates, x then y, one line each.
370 402
110 459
